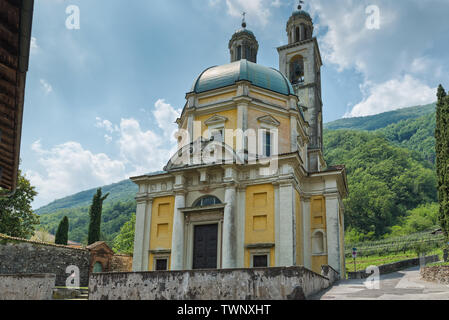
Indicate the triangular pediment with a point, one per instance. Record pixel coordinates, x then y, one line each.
269 120
216 119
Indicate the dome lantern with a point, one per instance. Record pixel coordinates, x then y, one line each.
243 44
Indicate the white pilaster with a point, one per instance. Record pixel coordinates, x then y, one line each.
229 229
177 249
333 232
286 236
293 134
241 217
306 224
277 230
139 236
146 235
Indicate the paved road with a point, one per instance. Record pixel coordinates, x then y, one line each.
403 285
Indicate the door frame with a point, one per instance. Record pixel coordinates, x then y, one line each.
191 223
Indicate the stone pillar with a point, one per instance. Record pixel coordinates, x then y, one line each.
242 124
286 225
306 232
277 229
177 248
333 232
293 134
139 236
229 251
146 235
240 225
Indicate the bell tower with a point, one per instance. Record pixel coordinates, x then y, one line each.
300 61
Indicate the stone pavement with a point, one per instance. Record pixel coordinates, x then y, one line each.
402 285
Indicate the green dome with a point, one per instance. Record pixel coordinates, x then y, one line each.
302 13
244 30
228 74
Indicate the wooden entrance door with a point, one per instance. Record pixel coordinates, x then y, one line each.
205 240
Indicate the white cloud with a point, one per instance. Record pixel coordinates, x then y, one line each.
147 150
69 168
166 116
391 95
46 86
34 48
108 138
394 56
105 124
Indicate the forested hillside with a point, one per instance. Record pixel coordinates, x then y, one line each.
382 120
390 164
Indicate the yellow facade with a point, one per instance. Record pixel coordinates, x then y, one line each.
259 225
269 99
318 222
161 226
217 98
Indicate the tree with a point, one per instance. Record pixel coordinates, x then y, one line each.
95 217
442 157
62 235
124 242
17 218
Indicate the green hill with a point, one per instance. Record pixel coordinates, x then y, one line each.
122 191
382 120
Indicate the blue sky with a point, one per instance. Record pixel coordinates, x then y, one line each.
101 100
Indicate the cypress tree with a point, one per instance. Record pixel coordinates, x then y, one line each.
62 234
442 158
95 211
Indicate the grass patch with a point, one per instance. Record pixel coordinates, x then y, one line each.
438 264
378 260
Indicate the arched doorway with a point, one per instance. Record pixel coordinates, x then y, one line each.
98 267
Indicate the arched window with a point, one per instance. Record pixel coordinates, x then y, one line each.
297 34
206 201
302 31
98 267
239 52
297 70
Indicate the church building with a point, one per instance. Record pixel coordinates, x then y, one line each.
248 186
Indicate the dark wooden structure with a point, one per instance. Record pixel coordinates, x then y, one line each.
15 37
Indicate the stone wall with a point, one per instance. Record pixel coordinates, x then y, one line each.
393 267
436 274
18 256
295 283
121 263
27 287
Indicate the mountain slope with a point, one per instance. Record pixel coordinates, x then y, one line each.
382 120
121 191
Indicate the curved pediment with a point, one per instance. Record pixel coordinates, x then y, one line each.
202 153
